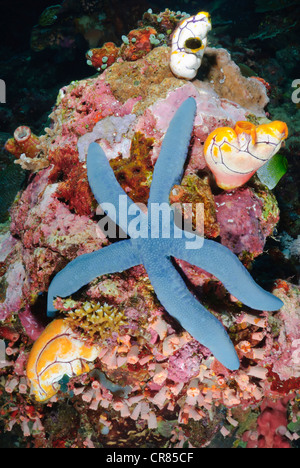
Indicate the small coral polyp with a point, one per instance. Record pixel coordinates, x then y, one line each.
235 154
57 352
188 45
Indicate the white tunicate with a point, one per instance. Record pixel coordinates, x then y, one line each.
188 45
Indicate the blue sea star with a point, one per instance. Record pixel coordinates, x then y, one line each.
157 253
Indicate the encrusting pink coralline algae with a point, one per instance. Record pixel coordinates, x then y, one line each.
151 382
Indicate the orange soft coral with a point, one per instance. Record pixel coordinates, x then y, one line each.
139 44
102 57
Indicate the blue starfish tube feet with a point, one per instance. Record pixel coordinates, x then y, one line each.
156 253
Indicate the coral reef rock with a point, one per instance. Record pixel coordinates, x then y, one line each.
152 384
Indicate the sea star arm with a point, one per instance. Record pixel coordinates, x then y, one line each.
79 272
168 169
104 184
219 261
175 297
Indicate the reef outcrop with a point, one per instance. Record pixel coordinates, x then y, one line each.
150 376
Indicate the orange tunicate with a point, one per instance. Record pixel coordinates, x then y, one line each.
23 142
57 352
235 154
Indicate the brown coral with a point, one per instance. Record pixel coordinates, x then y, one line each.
226 79
132 79
135 173
195 190
96 320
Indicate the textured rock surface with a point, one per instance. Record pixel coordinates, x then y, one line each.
226 79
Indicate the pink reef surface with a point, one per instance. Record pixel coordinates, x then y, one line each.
151 375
